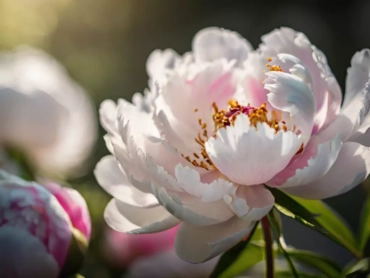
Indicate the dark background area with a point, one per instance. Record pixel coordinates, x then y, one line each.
105 43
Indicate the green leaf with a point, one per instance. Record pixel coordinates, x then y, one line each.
251 255
365 225
318 216
241 257
358 268
288 274
325 265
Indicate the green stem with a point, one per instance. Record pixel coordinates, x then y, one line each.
268 247
281 244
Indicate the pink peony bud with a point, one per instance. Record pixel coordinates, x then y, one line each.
123 249
75 206
37 228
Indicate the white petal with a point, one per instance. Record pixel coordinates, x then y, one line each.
23 255
129 219
196 213
290 94
325 88
350 169
250 156
199 244
215 43
108 116
189 180
159 61
315 160
251 202
356 103
357 75
114 181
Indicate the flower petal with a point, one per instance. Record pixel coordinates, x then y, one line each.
326 90
115 182
248 155
356 103
188 96
350 169
315 160
290 94
129 219
189 180
215 43
24 255
251 202
196 212
198 244
159 61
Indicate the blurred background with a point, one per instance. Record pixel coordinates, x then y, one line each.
104 45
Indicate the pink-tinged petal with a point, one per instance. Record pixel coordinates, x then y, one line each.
196 213
198 244
290 94
315 160
24 255
160 61
251 88
74 205
214 43
129 219
325 88
115 182
123 249
251 202
188 96
31 207
350 169
248 155
189 180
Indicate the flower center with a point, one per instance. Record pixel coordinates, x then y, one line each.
224 118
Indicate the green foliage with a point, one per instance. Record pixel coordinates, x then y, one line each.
242 256
365 225
358 269
318 216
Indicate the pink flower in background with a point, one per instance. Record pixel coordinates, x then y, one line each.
36 227
123 249
219 124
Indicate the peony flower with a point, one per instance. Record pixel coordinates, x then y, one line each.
43 112
124 249
221 123
37 227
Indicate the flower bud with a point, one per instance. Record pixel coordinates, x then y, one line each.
39 228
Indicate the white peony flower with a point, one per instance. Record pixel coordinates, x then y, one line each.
218 125
43 112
